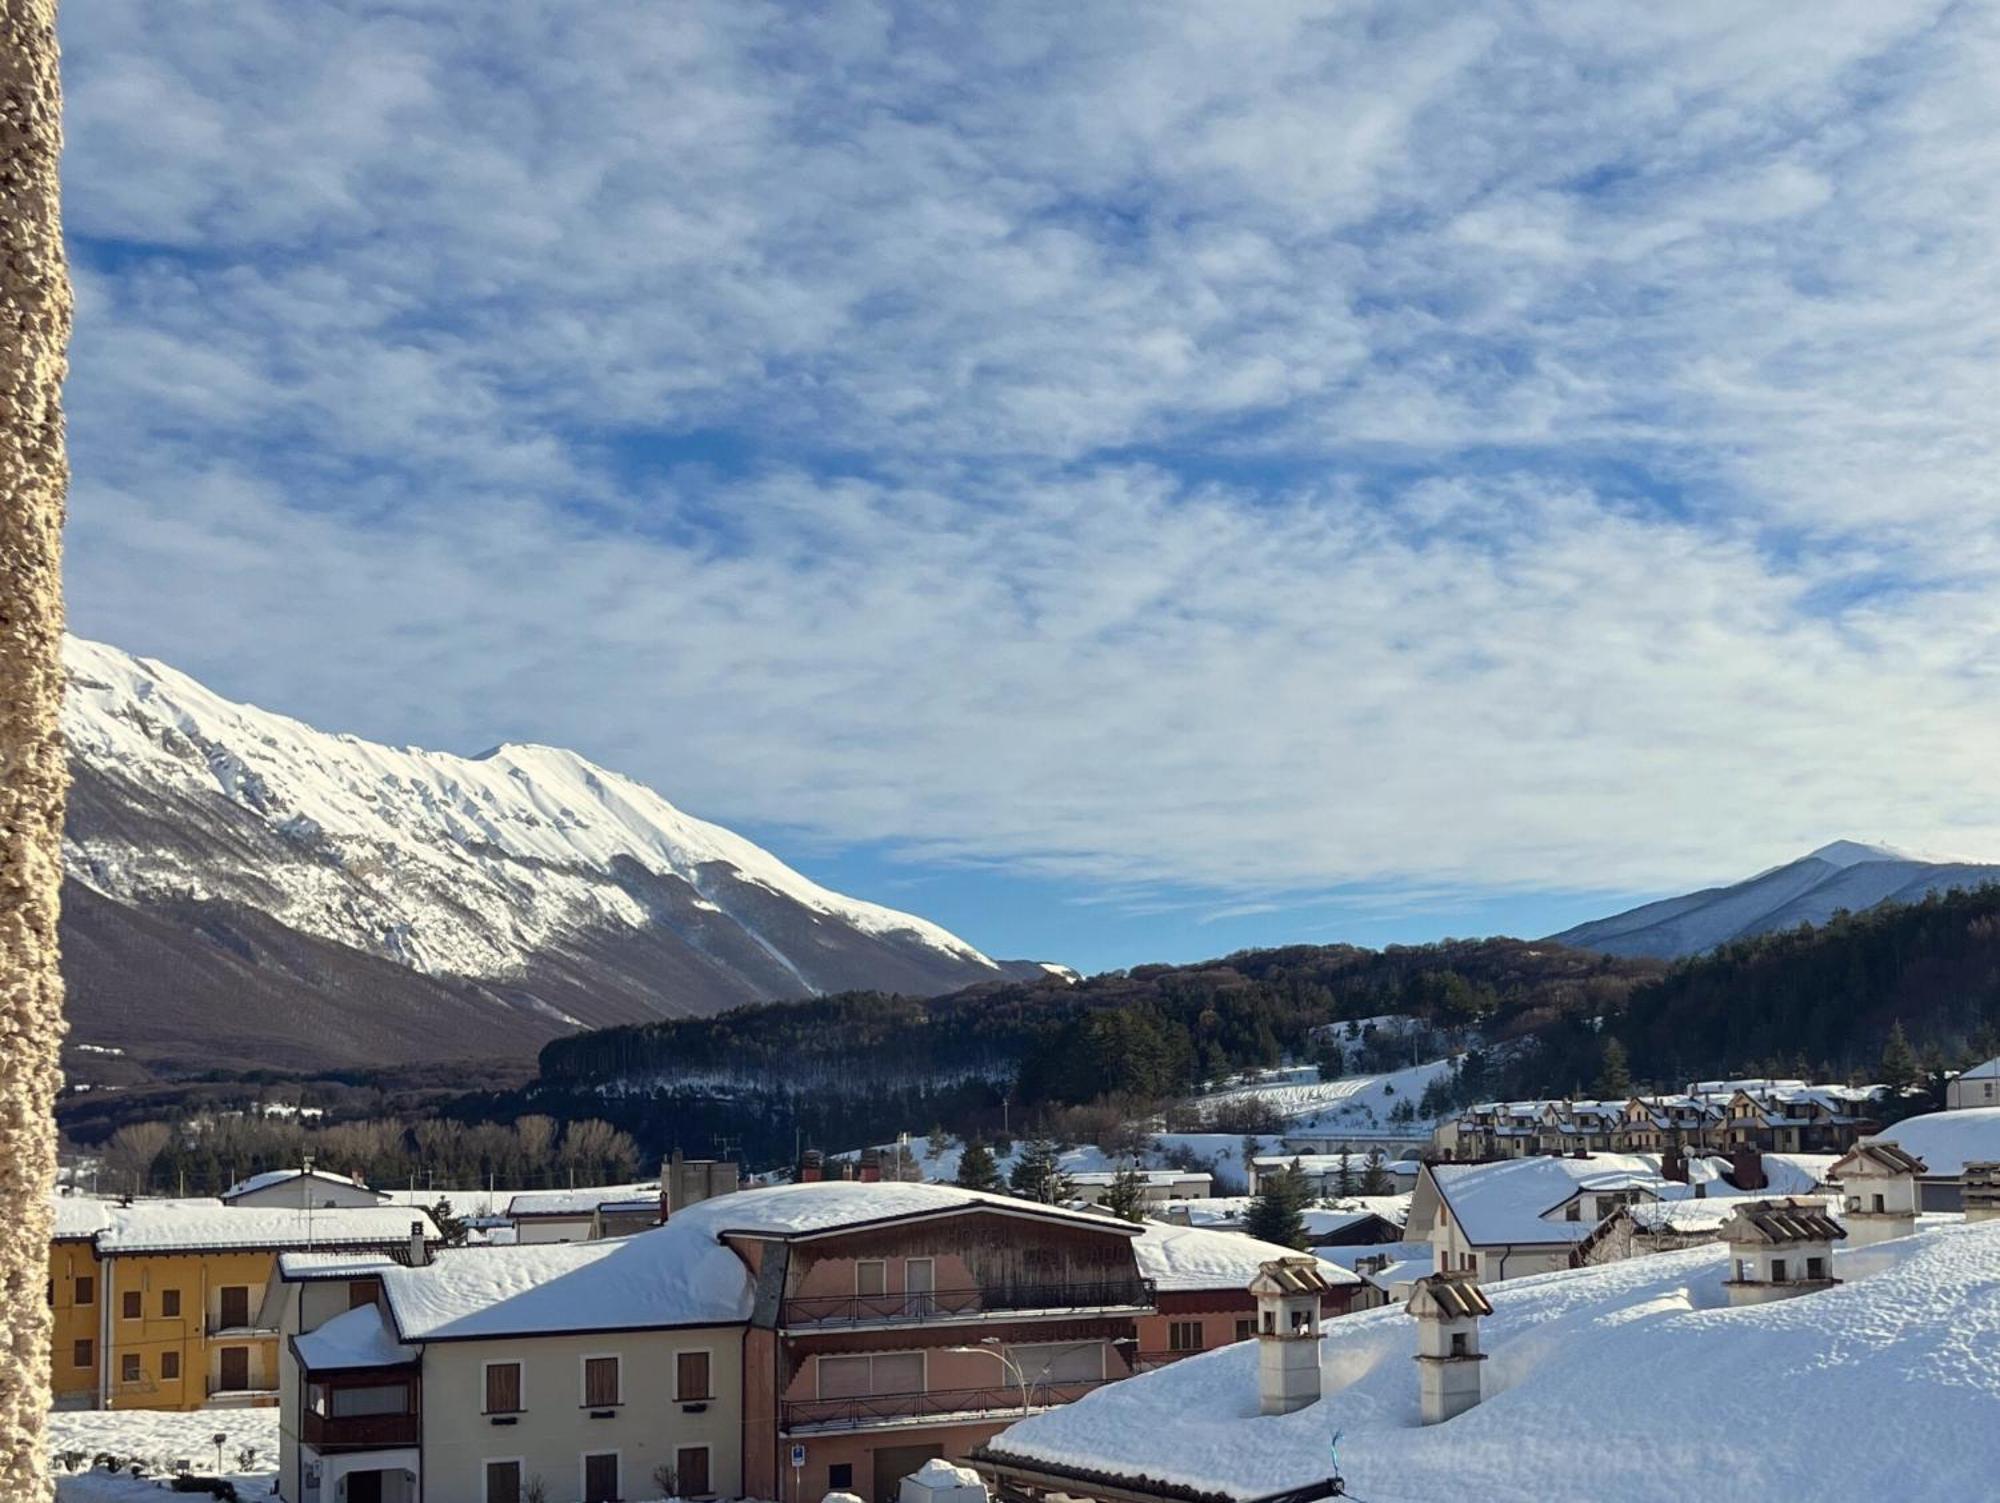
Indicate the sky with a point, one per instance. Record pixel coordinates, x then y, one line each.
1126 481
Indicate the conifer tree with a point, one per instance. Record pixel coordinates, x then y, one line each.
976 1169
1343 1174
1038 1174
1614 1074
1899 1061
1274 1210
1375 1174
1126 1199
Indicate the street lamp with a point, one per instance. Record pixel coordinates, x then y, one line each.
990 1346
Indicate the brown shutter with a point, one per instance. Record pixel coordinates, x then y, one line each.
600 1382
691 1377
691 1471
503 1482
503 1388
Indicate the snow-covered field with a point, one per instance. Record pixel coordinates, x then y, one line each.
1355 1103
1634 1381
161 1440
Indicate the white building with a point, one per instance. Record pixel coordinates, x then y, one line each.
544 1216
1946 1142
302 1189
1779 1249
1158 1187
1519 1216
1979 1086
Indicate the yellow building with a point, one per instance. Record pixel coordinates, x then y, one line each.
161 1305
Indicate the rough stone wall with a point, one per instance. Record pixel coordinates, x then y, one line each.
34 478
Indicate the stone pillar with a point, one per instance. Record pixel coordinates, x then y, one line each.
1288 1292
1448 1309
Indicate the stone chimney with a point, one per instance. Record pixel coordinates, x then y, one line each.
871 1166
1674 1165
1448 1308
420 1248
1979 1188
1288 1293
812 1167
1746 1168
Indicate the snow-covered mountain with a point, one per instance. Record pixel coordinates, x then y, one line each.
501 898
1845 874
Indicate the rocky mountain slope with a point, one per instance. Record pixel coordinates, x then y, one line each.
1843 875
244 888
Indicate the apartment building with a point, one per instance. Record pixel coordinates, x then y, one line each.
158 1304
1770 1116
775 1343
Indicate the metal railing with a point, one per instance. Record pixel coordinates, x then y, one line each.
965 1304
937 1403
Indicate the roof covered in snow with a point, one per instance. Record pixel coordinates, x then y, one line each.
1503 1203
154 1226
674 1275
1987 1069
1948 1141
356 1338
1183 1258
79 1217
272 1177
579 1202
834 1205
333 1265
1603 1383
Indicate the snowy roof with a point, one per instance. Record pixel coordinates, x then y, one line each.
1503 1203
81 1216
1948 1141
333 1265
355 1338
835 1205
272 1177
170 1226
1796 1173
1985 1070
1182 1258
674 1275
1165 1177
1214 1210
1896 1360
1872 1160
578 1202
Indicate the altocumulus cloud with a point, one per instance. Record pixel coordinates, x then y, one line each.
1252 447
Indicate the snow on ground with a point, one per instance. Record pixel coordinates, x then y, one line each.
1354 1103
161 1439
1948 1141
1633 1381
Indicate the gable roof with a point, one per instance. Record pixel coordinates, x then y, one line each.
1986 1069
1877 1159
272 1177
178 1226
357 1338
1448 1297
828 1207
1947 1141
1179 1259
1781 1222
1502 1203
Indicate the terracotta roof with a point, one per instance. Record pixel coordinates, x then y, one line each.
1300 1275
1449 1296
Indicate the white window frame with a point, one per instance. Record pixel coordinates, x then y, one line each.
583 1470
704 1446
931 1294
583 1380
861 1263
484 1388
486 1461
706 1398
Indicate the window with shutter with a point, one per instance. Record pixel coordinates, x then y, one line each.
691 1471
81 1353
170 1364
600 1478
131 1304
691 1377
503 1482
170 1303
600 1382
503 1388
871 1278
86 1290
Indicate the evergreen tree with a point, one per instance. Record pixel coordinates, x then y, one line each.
1899 1061
1038 1174
1375 1174
1126 1199
1330 1059
976 1169
1343 1174
451 1228
1614 1074
1273 1215
937 1144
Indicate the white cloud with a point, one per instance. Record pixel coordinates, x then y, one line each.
1601 401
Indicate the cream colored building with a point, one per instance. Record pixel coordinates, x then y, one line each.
1879 1192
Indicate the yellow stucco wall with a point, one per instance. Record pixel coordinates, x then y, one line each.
156 1337
73 1383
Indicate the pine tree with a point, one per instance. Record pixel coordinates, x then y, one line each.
1273 1215
1330 1060
1038 1174
1126 1199
976 1169
451 1228
1899 1061
937 1144
1614 1075
1375 1174
1343 1174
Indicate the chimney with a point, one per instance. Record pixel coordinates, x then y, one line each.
1288 1293
1447 1308
420 1250
871 1166
1674 1165
666 1206
812 1167
1746 1168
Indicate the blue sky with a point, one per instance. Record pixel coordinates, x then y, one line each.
1126 481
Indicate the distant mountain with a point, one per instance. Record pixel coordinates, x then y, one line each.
245 889
1845 874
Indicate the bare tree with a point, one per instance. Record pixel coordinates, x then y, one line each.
132 1151
34 482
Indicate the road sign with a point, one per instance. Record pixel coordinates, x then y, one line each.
798 1456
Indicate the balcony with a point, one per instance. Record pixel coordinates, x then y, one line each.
938 1405
247 1329
360 1432
223 1395
952 1306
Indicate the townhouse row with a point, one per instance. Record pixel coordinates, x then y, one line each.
776 1343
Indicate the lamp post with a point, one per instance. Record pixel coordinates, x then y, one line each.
993 1347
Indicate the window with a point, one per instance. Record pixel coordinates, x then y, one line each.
1815 1268
1458 1346
131 1304
128 1368
1777 1270
503 1388
503 1482
1068 1362
691 1377
1573 1211
170 1365
1245 1329
233 1307
82 1353
600 1478
871 1278
86 1289
883 1372
1746 1271
1184 1336
691 1471
375 1398
840 1477
170 1303
1878 1205
600 1382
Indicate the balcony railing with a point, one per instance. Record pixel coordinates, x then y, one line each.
249 1326
947 1305
359 1432
938 1403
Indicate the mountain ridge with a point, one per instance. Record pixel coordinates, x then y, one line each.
544 891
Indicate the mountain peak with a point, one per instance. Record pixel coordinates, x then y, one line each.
1854 852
